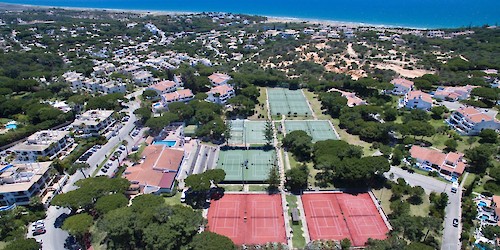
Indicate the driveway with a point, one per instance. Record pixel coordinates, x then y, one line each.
55 237
451 234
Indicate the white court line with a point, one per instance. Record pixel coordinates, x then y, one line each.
316 218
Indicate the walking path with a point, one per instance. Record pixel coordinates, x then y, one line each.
303 221
310 106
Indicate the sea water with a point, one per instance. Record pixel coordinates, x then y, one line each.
406 13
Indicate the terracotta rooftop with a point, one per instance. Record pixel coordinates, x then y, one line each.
179 94
352 99
159 167
402 82
417 94
221 89
474 115
496 200
163 85
219 78
440 159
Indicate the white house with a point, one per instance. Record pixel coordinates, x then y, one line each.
93 122
182 95
165 86
470 121
20 182
220 94
112 86
417 100
450 165
453 93
45 143
143 77
401 86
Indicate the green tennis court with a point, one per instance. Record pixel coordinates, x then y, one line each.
246 165
318 130
287 102
249 132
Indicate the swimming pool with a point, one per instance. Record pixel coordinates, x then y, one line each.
484 217
11 126
166 142
482 204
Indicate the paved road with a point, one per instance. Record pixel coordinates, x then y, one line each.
451 234
54 238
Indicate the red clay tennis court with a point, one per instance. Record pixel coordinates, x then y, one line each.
248 218
335 216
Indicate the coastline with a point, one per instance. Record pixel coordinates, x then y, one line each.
270 19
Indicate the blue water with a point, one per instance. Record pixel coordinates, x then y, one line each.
168 143
408 13
482 204
11 126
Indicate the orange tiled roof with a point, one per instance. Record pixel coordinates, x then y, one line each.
402 82
218 78
183 93
417 94
163 85
474 114
221 89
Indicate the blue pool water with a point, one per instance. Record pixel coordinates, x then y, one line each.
165 142
11 126
454 179
482 204
484 217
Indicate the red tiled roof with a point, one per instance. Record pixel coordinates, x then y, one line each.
158 161
403 82
352 99
474 115
221 89
163 85
179 94
167 179
438 158
218 78
417 94
496 199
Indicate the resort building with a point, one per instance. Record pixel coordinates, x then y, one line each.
112 86
448 165
220 94
470 121
352 99
182 95
165 86
45 143
157 172
219 79
105 68
401 86
93 122
20 182
74 79
453 93
417 100
143 78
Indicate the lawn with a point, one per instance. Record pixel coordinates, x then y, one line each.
98 236
174 200
228 187
384 196
261 107
438 140
298 239
257 187
469 180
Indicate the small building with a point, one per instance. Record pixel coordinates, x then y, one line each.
45 143
449 165
453 93
295 216
220 94
218 79
112 86
93 122
165 86
417 100
182 95
401 86
20 182
471 121
352 99
143 78
157 172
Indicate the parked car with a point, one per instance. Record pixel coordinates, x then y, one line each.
104 170
39 231
455 222
122 147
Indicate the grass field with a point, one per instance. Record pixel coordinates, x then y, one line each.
174 200
384 195
261 107
257 187
298 239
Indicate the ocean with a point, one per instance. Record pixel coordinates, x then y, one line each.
405 13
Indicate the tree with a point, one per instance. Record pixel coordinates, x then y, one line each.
110 202
201 182
156 124
296 178
490 232
119 224
299 143
438 111
23 244
488 136
345 244
273 179
416 195
268 133
78 225
149 94
143 114
495 173
480 157
451 145
207 240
